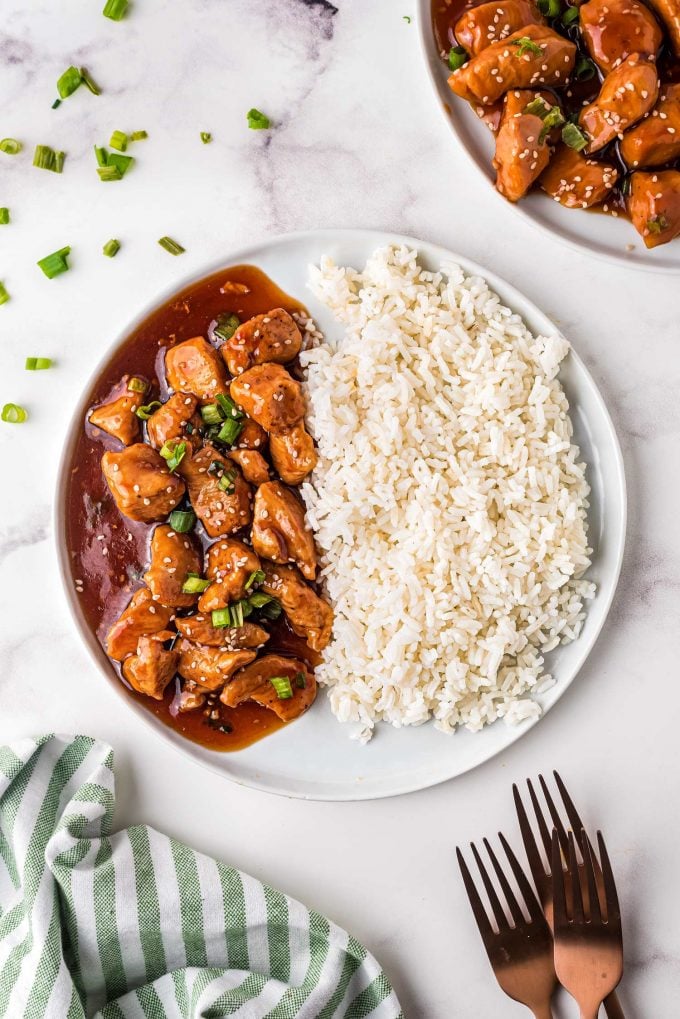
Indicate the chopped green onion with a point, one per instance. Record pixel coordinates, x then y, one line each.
115 9
230 431
118 141
227 324
4 296
56 103
527 45
107 173
236 611
206 137
256 577
458 56
570 15
173 455
215 467
111 248
282 686
147 409
182 520
138 136
70 80
538 107
195 584
258 599
574 137
656 225
54 264
44 157
211 414
549 8
406 18
257 121
89 81
221 618
229 408
171 246
10 145
101 154
13 414
300 681
59 158
272 610
585 69
121 162
226 482
136 385
37 364
4 216
553 118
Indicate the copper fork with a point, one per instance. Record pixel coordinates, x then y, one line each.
521 952
588 943
542 871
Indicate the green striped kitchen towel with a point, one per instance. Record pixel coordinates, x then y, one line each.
134 924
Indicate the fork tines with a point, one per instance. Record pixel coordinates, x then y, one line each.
577 914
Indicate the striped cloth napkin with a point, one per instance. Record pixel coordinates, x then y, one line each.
135 925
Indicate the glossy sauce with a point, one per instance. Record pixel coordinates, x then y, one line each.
109 552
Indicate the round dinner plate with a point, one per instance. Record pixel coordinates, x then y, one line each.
596 233
314 757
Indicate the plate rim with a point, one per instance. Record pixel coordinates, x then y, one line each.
358 791
432 62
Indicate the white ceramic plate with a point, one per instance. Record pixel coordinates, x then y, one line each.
314 757
595 233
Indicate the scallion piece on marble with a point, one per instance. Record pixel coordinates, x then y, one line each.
10 145
4 296
89 81
69 81
171 246
111 248
138 136
119 141
59 158
107 173
44 157
206 137
54 264
4 216
37 364
257 121
115 9
13 414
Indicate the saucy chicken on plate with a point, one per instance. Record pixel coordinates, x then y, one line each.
205 599
583 100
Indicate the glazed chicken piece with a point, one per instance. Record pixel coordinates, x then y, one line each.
220 511
229 565
252 436
141 484
189 698
533 56
271 337
118 417
170 420
627 94
293 453
209 667
656 140
254 683
194 366
142 617
200 630
522 149
493 22
253 464
269 395
615 29
668 12
173 557
654 206
575 181
308 614
151 668
280 533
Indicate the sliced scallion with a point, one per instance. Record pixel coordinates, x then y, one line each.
272 610
458 56
553 118
173 454
570 15
182 520
300 681
119 141
54 264
226 482
230 431
37 364
147 409
44 157
211 414
90 82
59 158
195 584
101 154
574 137
585 69
111 248
258 599
108 173
236 611
206 137
10 145
220 618
171 246
226 326
4 296
657 224
229 408
138 136
69 81
4 216
56 103
13 414
549 8
256 577
115 9
538 107
282 686
137 385
527 45
257 121
122 163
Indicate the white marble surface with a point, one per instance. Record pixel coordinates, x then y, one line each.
356 143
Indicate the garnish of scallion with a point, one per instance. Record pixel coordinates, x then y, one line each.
115 9
220 618
206 137
54 264
111 248
69 81
585 69
4 296
109 173
37 364
137 385
300 681
90 82
171 246
4 216
574 137
230 431
13 414
138 136
226 482
101 155
195 584
211 414
553 118
458 56
119 141
283 688
10 145
570 15
147 409
256 577
527 45
229 408
227 324
59 158
44 157
257 121
122 163
173 454
182 520
56 104
549 8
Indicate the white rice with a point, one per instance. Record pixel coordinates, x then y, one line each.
449 503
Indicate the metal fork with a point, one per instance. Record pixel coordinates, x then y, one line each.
521 953
588 944
542 871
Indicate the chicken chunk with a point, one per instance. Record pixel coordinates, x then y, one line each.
575 181
656 140
293 453
170 420
152 667
141 484
209 667
230 564
535 55
280 533
142 617
668 12
309 615
480 26
627 94
269 395
614 29
254 683
200 630
252 436
271 337
173 557
194 366
253 464
654 206
522 149
220 511
118 417
189 698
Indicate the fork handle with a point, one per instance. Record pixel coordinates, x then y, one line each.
612 1007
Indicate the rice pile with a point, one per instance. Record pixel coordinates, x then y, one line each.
449 503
